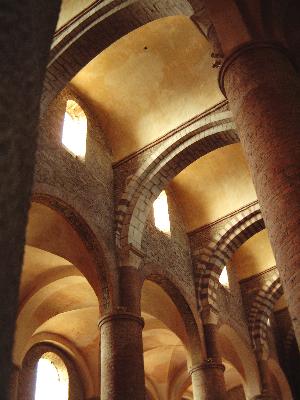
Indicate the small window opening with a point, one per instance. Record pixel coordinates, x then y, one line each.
161 213
268 322
224 278
52 380
75 129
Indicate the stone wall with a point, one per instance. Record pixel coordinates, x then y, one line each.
86 185
171 253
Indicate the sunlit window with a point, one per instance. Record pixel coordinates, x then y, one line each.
75 129
161 213
52 381
224 278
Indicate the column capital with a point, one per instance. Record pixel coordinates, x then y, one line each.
130 256
121 314
246 47
209 363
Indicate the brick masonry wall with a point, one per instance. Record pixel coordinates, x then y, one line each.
171 252
87 186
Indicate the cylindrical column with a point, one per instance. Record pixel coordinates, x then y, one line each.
267 392
208 381
122 363
24 54
263 89
208 377
14 382
211 342
122 360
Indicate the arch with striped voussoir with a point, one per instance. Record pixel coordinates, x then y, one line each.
189 143
261 310
97 27
210 261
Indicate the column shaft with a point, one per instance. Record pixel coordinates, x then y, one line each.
208 382
14 382
263 89
267 391
122 363
26 29
208 378
122 359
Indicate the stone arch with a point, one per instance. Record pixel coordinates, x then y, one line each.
97 27
97 276
194 343
211 260
261 310
281 379
68 348
190 142
29 371
242 358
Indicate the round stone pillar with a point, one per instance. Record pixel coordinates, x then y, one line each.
208 377
122 363
122 359
263 90
14 382
24 55
267 392
208 381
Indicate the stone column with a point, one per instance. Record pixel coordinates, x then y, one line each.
267 392
26 30
14 382
208 377
263 90
208 381
122 360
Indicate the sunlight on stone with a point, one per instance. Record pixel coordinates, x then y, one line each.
50 384
161 213
75 129
224 278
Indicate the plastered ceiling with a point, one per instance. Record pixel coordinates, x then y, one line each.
254 256
149 82
213 186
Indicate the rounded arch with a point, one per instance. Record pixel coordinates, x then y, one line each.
261 310
280 377
28 372
211 260
72 352
193 341
97 27
75 241
193 140
235 350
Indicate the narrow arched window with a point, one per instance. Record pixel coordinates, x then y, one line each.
161 213
52 380
75 129
224 278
